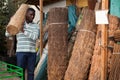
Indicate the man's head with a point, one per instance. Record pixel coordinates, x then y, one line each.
30 14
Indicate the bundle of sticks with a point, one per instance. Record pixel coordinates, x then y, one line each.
17 20
116 49
117 35
57 43
83 49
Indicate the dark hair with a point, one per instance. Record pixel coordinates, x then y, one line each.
30 9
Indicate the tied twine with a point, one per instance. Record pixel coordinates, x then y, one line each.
84 30
57 23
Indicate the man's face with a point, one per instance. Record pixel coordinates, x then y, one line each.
30 16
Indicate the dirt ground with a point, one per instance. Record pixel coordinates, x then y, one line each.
8 74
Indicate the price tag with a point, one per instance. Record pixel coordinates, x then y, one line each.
101 17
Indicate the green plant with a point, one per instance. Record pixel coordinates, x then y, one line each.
7 9
3 21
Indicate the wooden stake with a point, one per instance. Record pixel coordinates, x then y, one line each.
105 4
104 53
41 27
104 45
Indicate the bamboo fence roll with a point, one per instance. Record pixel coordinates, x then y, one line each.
95 70
116 49
113 26
117 35
17 20
73 37
83 49
115 67
113 19
57 43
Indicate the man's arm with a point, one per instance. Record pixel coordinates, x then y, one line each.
33 34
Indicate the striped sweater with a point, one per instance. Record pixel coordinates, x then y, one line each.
26 41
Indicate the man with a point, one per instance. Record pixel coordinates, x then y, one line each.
26 40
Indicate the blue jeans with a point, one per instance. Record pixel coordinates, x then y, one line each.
27 60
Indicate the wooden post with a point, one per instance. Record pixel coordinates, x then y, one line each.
104 53
104 45
41 27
